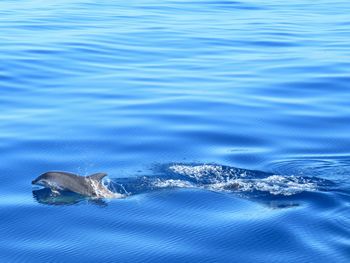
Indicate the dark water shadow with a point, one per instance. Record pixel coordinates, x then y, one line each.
63 198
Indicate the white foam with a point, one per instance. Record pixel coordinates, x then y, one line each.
196 171
204 170
102 191
172 183
229 180
275 185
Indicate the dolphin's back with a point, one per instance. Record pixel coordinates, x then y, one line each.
72 182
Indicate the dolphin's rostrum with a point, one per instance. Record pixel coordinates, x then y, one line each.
91 186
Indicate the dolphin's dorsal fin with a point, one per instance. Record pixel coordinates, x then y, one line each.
98 176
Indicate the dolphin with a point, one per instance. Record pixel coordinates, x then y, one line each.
90 186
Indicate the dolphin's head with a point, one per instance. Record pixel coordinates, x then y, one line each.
44 180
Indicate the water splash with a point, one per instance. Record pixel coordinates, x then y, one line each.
218 178
223 178
103 192
275 185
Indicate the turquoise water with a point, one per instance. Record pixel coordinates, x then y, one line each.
224 123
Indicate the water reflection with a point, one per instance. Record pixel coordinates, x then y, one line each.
47 197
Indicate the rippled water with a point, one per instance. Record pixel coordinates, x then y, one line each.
225 124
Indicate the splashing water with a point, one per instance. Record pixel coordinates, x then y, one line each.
216 178
275 185
103 192
235 179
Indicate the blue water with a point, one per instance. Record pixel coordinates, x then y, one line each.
224 123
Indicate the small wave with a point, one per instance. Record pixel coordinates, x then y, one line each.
275 185
223 178
218 178
200 171
211 173
171 183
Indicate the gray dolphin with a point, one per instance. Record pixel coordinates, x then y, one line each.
91 185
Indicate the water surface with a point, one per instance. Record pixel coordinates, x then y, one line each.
134 88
